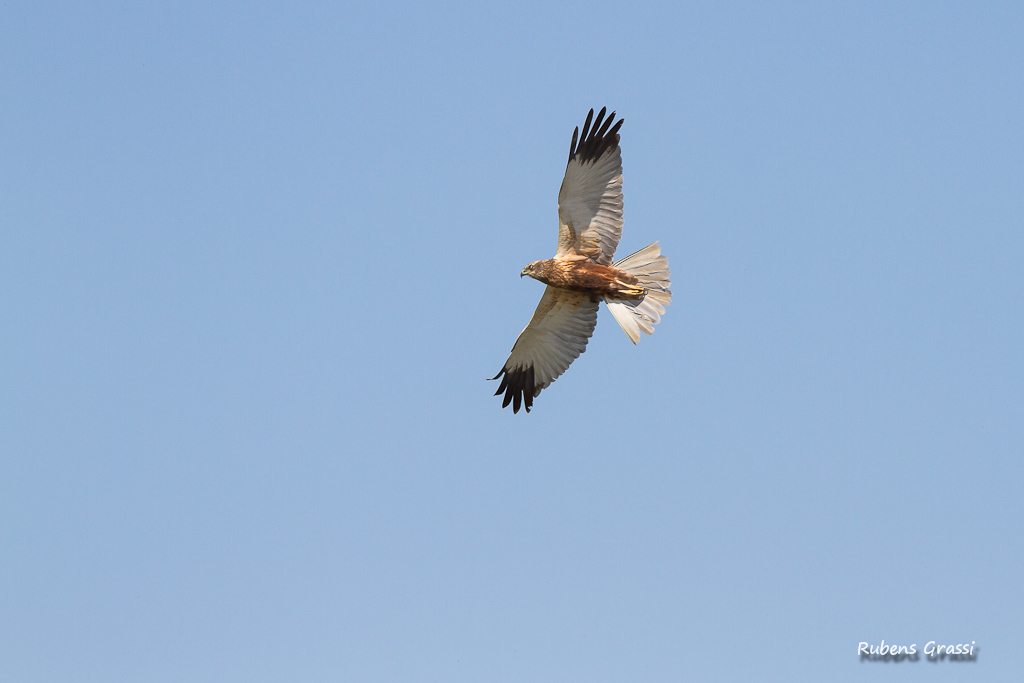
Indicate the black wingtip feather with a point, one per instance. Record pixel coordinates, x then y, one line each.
598 120
518 386
501 387
594 141
586 124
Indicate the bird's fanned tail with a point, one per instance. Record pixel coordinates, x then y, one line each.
651 269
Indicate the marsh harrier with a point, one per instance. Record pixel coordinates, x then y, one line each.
582 274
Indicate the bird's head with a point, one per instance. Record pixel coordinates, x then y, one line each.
531 269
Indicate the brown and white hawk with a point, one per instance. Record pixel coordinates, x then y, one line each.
582 274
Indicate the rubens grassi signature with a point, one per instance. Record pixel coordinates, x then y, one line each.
932 650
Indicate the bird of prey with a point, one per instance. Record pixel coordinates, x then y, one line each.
581 275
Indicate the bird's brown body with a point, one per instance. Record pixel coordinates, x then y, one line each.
577 275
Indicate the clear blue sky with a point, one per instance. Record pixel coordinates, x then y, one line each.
257 259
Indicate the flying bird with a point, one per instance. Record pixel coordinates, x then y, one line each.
581 275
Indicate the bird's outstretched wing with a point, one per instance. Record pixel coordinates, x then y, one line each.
590 200
556 336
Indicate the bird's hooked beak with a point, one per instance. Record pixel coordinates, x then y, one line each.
524 271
